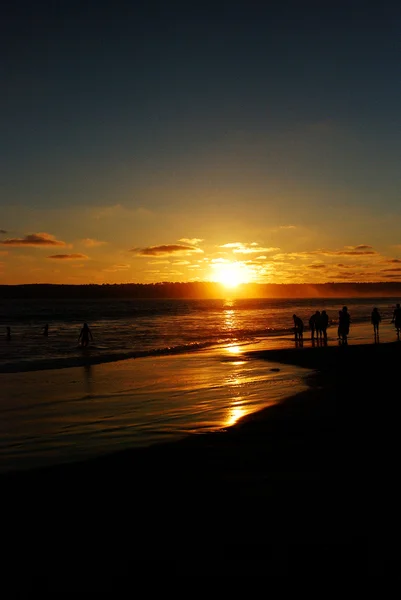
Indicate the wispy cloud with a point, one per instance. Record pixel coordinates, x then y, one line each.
35 240
116 268
69 256
283 228
319 266
360 247
191 241
159 262
91 243
166 250
245 248
345 252
219 260
348 251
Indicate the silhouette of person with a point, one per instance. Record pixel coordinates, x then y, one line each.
397 319
84 335
344 324
339 328
46 330
8 334
298 328
324 323
318 323
375 320
312 323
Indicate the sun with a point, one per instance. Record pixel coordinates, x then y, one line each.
230 275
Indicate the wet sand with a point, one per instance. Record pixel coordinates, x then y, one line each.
69 415
307 486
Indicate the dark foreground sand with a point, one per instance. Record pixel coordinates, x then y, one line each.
307 487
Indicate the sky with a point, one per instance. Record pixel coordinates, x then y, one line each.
198 141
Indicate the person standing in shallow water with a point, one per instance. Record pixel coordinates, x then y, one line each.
313 324
298 328
8 334
375 320
344 324
324 323
339 326
85 335
397 319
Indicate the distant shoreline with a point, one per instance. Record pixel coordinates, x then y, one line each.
202 290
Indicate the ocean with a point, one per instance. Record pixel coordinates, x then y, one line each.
156 371
139 327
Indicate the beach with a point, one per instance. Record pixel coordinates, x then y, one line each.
308 483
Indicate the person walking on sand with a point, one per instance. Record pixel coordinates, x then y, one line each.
8 334
344 324
298 328
397 319
84 335
375 320
46 330
313 323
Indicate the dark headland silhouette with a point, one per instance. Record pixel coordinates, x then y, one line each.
202 290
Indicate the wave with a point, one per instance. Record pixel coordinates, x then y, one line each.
91 356
88 359
58 352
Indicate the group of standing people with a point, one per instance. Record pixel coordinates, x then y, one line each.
319 322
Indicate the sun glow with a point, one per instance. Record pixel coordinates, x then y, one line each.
231 274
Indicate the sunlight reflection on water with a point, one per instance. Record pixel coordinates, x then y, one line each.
72 414
235 413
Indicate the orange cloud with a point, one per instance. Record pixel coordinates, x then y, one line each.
191 241
252 248
166 250
360 247
116 268
69 256
349 251
91 243
35 240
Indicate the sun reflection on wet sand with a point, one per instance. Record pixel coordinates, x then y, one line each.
235 350
235 413
132 403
